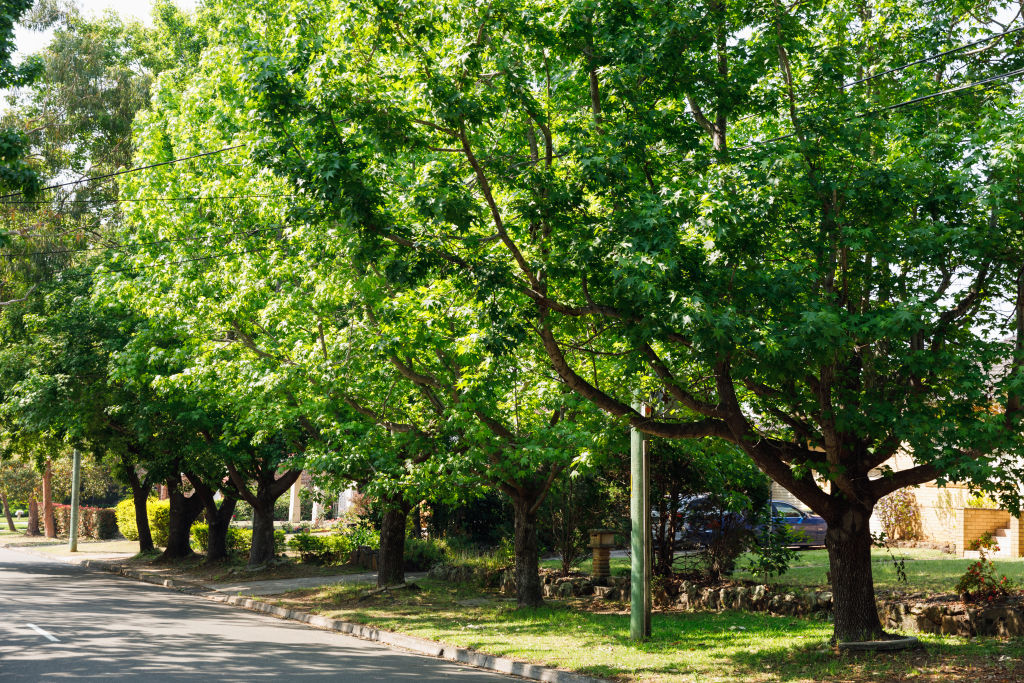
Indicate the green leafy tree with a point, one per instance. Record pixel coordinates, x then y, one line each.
808 267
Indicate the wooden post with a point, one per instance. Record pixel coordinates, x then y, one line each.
640 535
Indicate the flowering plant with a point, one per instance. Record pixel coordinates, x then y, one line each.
979 582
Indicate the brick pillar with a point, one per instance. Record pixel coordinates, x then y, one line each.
294 503
1014 538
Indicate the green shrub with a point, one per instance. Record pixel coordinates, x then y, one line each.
125 513
105 523
98 523
201 536
159 513
322 548
772 554
364 535
62 520
239 541
421 554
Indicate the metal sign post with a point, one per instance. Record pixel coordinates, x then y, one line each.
640 535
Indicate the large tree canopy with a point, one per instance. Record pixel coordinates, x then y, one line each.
810 255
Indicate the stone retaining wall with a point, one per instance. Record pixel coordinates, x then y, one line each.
953 618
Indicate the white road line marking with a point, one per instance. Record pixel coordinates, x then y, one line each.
43 633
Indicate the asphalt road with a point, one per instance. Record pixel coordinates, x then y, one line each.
60 621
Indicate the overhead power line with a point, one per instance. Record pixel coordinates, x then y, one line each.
195 198
126 170
905 103
931 57
134 245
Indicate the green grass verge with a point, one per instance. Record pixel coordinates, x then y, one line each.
928 571
590 637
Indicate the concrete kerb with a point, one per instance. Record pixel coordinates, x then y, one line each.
420 646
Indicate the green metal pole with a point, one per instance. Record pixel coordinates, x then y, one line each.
76 477
640 538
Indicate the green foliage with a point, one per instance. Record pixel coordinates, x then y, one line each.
772 552
364 535
423 553
322 548
576 504
105 523
159 513
125 512
96 523
900 515
239 540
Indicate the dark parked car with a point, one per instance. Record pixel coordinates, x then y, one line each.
809 527
699 518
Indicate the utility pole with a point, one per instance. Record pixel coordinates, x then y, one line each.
76 481
640 534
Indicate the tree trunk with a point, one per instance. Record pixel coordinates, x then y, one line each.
49 527
269 487
391 557
140 498
848 540
219 520
183 513
262 550
33 517
527 570
7 513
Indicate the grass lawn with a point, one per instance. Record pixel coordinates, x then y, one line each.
928 571
619 566
703 646
20 525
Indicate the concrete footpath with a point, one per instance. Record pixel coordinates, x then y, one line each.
246 595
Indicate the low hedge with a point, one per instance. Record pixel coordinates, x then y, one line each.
322 548
97 523
159 512
239 540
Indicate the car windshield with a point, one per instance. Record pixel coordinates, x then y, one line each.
786 510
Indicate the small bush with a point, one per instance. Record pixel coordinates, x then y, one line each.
105 523
97 523
980 584
239 541
322 548
984 542
772 552
421 554
364 535
159 513
200 535
125 513
62 520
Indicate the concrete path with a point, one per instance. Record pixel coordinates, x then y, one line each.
61 621
278 586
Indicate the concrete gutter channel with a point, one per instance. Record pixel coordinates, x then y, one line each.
420 646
